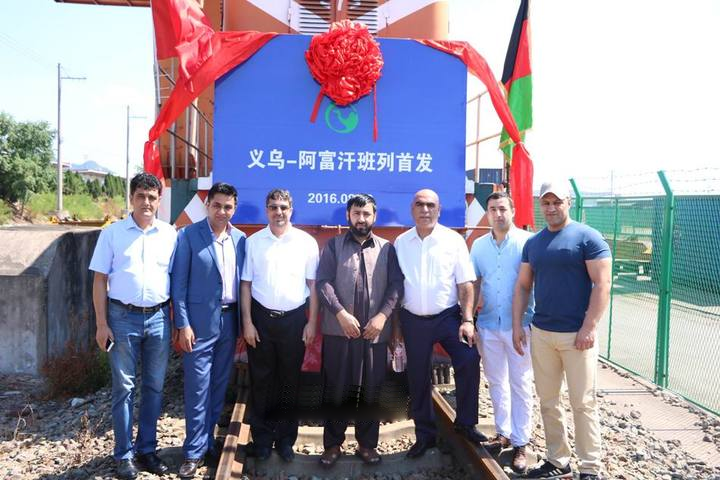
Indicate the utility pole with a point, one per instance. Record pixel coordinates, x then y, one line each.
59 158
127 158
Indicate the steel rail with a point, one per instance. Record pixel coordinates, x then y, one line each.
475 460
232 458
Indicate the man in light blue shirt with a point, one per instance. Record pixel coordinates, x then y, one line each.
496 258
131 293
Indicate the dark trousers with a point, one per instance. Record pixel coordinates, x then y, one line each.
353 370
275 365
420 334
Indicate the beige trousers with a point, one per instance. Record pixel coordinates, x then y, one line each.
553 356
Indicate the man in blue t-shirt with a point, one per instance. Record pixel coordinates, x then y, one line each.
569 265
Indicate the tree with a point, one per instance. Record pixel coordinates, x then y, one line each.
73 184
114 186
94 188
25 156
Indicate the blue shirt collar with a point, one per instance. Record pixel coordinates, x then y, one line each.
130 224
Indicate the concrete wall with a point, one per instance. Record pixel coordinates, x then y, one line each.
46 298
23 320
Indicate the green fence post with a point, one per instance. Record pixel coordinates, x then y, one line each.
612 278
662 345
578 201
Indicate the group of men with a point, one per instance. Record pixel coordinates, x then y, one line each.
540 299
370 293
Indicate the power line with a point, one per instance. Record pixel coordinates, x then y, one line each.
24 51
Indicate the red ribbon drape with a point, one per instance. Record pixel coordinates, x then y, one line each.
521 170
230 50
182 30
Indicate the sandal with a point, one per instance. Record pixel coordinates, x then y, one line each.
368 455
330 456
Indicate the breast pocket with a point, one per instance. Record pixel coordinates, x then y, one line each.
295 264
162 257
442 265
163 260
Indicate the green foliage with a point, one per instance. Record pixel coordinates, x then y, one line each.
114 186
73 184
81 207
6 213
77 372
94 189
25 156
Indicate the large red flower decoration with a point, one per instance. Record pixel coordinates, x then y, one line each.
346 61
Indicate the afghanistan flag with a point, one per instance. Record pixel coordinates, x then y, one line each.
517 81
517 78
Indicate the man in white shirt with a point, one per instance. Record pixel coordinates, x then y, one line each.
496 258
437 307
277 280
133 257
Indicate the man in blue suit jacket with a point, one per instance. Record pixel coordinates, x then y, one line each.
205 292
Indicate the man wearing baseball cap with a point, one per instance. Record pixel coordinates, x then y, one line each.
569 265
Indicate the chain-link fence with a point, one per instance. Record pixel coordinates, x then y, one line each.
663 321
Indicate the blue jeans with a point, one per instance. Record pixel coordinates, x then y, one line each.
146 337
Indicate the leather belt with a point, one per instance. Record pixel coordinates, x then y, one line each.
226 307
135 309
277 313
442 312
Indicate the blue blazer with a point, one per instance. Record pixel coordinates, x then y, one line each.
195 281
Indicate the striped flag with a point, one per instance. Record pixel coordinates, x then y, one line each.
517 77
517 81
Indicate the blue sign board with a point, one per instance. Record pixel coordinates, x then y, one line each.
264 138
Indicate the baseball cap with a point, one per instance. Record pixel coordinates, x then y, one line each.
557 188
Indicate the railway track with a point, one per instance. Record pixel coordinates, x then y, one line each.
233 463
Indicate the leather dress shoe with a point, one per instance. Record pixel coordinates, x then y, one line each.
471 434
285 452
496 445
189 467
126 469
519 460
419 448
150 462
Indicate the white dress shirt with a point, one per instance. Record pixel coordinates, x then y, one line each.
279 267
433 267
225 255
137 262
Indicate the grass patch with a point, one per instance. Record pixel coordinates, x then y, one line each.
81 207
113 206
6 213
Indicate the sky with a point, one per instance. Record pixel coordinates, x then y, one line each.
621 88
111 46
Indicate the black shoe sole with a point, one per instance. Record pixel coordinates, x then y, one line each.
554 477
418 455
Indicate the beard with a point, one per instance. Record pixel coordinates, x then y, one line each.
361 231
